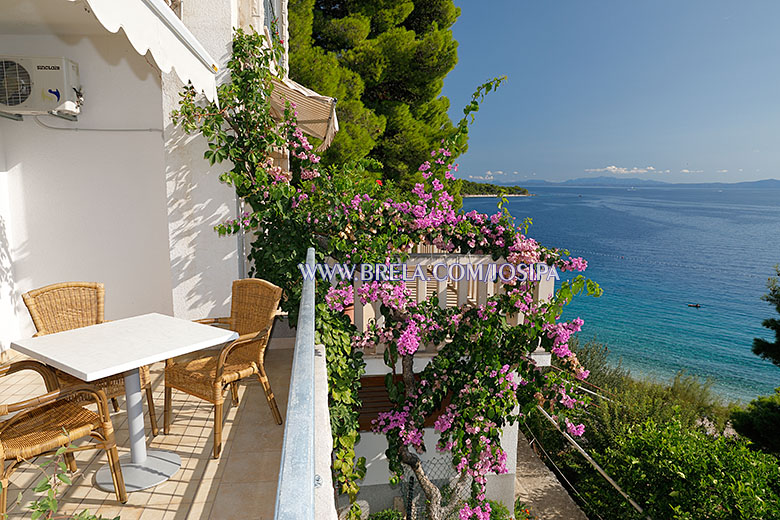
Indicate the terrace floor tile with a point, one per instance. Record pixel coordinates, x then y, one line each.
241 482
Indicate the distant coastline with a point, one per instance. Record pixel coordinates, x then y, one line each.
633 182
485 189
498 195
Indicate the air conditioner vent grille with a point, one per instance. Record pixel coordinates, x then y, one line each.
15 83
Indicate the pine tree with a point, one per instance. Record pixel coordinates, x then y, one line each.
385 61
762 347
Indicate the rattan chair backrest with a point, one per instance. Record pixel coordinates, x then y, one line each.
253 308
65 306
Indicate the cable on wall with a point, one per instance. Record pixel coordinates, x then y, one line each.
50 127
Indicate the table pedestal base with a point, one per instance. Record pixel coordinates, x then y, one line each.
158 467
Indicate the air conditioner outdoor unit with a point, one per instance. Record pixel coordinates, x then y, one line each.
34 86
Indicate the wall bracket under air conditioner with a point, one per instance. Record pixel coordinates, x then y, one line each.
13 117
20 117
66 117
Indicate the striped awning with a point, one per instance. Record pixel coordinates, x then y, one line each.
316 113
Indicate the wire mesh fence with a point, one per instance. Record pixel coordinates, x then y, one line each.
444 476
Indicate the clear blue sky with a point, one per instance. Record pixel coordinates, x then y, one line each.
688 88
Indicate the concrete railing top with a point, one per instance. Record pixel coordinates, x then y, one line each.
297 477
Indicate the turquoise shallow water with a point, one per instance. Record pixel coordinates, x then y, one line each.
653 251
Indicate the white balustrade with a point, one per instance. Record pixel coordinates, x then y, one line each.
452 278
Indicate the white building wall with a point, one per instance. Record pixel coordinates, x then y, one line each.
203 265
9 326
86 205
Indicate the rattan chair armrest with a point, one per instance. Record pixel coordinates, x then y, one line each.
95 393
241 340
48 375
33 402
208 321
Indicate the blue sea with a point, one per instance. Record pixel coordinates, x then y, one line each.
654 251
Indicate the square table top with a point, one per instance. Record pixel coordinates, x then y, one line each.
115 347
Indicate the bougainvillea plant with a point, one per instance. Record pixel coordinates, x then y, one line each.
482 377
482 369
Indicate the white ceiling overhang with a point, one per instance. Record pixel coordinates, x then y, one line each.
151 26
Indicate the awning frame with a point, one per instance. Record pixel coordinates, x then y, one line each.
184 35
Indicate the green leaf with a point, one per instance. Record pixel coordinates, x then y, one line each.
43 485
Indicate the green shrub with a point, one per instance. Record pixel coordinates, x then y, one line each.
499 511
760 422
522 511
386 514
630 403
674 472
604 373
686 399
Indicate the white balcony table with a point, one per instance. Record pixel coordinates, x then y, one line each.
122 347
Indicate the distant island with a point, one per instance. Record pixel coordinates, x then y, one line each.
483 189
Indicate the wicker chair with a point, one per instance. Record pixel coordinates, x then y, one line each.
71 305
40 425
208 375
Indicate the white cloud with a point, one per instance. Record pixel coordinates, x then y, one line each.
691 171
623 171
489 175
723 171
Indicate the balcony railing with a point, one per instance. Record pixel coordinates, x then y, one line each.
305 488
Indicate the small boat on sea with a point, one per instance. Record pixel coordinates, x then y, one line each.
696 305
